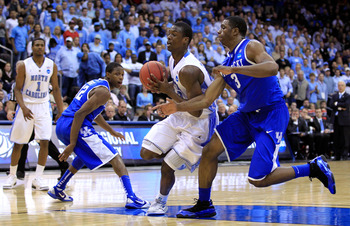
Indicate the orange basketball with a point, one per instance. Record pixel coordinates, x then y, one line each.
152 67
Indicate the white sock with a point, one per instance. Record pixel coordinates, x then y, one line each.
13 170
39 171
162 198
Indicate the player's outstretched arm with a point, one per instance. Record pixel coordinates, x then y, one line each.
196 103
264 65
104 125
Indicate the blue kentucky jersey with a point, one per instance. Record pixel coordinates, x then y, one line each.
254 93
82 96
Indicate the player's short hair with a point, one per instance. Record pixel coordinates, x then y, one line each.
37 39
238 22
186 30
111 66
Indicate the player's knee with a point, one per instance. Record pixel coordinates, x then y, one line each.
147 155
166 169
258 184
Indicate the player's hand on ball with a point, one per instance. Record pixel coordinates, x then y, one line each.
66 153
158 86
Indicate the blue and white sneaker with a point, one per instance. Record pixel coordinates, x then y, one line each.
202 209
133 202
320 169
60 195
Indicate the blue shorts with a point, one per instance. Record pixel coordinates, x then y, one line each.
266 127
91 148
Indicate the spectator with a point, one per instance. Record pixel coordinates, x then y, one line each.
82 31
110 114
53 22
19 39
7 77
3 113
68 65
132 73
282 61
337 78
222 112
322 133
306 69
126 47
313 89
161 54
295 130
91 67
346 79
142 99
85 19
232 109
329 81
123 95
300 88
11 23
219 56
147 114
57 35
322 94
98 33
286 85
96 45
70 32
121 114
147 55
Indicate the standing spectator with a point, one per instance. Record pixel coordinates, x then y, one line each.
161 55
11 23
313 89
322 94
282 61
53 22
96 46
68 65
121 114
85 19
57 35
337 78
147 55
300 88
19 39
82 31
126 33
132 73
305 67
340 103
346 79
98 31
286 85
70 32
329 81
91 67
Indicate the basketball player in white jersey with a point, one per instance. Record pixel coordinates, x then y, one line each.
180 137
32 93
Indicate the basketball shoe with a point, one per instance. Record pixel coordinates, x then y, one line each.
10 182
133 202
59 194
201 209
157 208
37 184
319 168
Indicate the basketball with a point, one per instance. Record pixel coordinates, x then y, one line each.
152 67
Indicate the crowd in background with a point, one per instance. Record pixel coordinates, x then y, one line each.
308 39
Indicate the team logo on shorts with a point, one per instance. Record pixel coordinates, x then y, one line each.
48 71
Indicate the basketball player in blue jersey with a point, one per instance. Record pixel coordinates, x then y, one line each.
75 130
34 110
262 117
180 137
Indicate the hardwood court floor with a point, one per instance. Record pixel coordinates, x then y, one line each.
99 199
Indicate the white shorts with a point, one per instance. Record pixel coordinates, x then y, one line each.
42 123
183 133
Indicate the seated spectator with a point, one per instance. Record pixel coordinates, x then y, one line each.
322 133
124 95
3 113
222 112
7 76
121 113
147 114
143 98
232 109
110 114
308 138
295 131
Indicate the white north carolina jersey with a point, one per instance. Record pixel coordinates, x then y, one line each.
190 59
37 80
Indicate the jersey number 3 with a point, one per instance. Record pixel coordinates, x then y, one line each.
234 78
